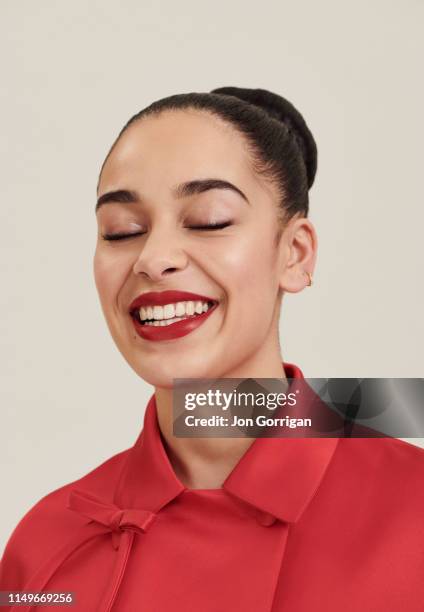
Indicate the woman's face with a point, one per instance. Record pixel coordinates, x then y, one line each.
168 177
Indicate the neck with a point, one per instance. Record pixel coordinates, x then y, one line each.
205 463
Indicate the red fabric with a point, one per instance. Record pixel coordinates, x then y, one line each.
299 525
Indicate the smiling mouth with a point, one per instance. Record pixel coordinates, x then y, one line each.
169 314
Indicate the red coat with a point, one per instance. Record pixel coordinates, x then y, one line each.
300 525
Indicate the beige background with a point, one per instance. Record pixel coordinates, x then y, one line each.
72 74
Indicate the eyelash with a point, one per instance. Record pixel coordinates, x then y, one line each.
121 236
211 227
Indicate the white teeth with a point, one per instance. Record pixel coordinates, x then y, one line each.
169 311
172 312
157 312
179 309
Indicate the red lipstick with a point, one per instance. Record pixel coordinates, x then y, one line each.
173 330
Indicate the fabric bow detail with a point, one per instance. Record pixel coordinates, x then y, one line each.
110 516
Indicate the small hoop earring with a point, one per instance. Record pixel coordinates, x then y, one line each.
309 275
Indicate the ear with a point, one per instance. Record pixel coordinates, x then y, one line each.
298 247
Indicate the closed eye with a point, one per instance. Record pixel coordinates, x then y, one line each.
121 236
211 226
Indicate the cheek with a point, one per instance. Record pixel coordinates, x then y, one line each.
110 272
247 269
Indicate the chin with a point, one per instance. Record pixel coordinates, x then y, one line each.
161 372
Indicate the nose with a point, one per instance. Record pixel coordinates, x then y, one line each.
161 255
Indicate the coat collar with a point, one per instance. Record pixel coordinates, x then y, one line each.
276 477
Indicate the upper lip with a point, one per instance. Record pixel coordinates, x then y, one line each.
160 298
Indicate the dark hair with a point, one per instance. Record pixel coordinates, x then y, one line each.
281 145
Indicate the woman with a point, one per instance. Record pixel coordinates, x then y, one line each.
202 216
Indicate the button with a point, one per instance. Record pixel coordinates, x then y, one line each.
265 519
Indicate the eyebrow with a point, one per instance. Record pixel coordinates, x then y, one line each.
200 186
124 196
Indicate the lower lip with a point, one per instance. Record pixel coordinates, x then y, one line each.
172 331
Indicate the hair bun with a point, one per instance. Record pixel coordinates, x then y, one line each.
281 109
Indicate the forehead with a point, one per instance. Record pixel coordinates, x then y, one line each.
174 146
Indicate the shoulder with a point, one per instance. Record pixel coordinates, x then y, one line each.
49 520
387 470
381 454
100 480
